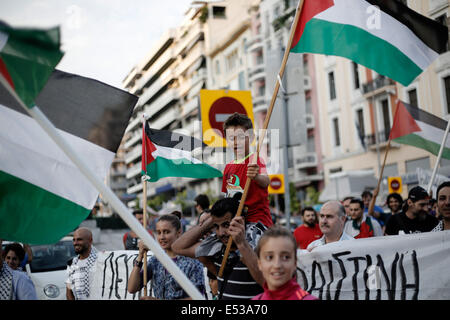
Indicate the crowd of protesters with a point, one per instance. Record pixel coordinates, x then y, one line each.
261 264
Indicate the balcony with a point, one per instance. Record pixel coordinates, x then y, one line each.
257 72
193 56
135 189
383 138
156 86
162 101
188 107
309 160
378 85
258 100
133 124
118 173
256 43
166 118
134 170
194 34
135 138
135 153
164 60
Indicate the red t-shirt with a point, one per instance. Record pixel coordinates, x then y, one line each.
257 201
305 235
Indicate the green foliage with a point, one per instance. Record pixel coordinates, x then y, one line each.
312 196
181 199
157 201
204 14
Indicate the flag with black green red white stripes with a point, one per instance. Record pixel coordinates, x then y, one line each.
383 35
418 128
43 194
170 154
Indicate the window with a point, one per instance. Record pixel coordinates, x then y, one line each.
218 12
386 120
232 60
331 83
443 20
355 75
337 138
390 170
447 92
360 122
412 94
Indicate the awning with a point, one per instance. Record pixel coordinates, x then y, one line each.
165 188
348 184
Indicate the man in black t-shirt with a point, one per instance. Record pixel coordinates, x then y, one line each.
414 218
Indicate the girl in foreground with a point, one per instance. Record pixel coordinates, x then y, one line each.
277 260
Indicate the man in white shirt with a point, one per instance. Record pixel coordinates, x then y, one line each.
332 218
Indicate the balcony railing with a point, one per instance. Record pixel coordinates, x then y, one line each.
377 83
307 161
383 136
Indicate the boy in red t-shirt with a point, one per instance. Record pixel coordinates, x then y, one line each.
238 129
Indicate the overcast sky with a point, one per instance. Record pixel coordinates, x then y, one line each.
102 39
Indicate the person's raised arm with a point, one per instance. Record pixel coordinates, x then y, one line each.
253 172
248 255
186 244
134 282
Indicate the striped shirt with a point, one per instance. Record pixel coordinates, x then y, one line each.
240 284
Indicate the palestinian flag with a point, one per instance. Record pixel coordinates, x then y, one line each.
383 35
31 52
43 195
415 127
169 154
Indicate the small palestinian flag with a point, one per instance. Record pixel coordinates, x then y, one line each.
383 35
43 194
169 154
31 52
418 128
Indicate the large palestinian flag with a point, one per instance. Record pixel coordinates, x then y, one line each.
43 195
383 35
418 128
170 154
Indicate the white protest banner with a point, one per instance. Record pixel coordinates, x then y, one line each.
403 267
112 271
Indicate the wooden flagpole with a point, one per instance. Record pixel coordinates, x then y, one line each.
370 210
144 201
264 129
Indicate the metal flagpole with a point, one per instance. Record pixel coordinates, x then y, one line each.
262 134
438 160
108 195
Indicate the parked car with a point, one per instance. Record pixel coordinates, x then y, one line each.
48 268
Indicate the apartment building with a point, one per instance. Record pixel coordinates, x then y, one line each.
168 82
357 108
